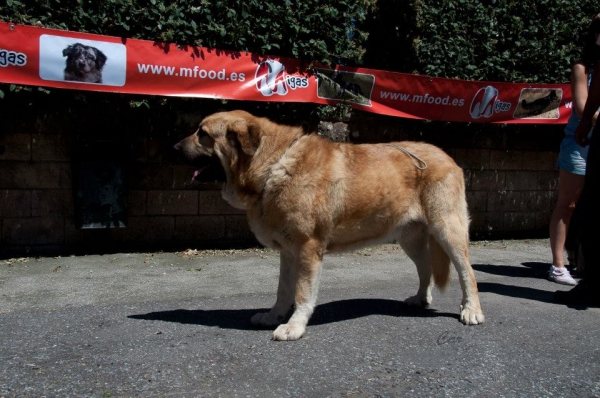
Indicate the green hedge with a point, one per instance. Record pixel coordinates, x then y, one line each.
310 30
495 40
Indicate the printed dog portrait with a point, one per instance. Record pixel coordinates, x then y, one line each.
84 63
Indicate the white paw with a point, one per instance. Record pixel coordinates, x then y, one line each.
289 332
266 319
419 301
471 316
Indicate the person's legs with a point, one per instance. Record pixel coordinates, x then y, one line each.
588 290
569 189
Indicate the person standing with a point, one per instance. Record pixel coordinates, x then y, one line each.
587 291
572 156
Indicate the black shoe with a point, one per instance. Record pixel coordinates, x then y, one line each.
582 294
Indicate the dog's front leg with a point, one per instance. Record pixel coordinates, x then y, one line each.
308 268
285 294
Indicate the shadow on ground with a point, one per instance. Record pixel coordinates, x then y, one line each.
535 270
336 311
528 270
516 291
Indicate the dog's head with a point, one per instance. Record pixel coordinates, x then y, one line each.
83 59
225 137
227 140
246 147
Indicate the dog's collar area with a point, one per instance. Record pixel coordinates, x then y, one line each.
418 162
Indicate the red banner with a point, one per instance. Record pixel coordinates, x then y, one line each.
64 59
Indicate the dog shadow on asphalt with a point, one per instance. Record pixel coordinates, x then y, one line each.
535 270
336 311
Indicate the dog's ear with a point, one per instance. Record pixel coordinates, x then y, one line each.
100 58
246 134
67 51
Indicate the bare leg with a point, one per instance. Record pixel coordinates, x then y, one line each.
569 190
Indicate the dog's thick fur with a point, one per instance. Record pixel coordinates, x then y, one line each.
305 195
84 63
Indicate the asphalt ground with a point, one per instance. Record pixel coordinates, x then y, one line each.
177 324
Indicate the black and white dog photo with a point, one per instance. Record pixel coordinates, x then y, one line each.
84 63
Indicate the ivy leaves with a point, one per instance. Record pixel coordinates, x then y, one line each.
310 30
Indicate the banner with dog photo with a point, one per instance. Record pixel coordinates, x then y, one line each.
80 61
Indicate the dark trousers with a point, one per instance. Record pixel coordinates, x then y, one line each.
585 223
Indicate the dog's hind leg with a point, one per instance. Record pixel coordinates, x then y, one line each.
308 265
448 222
285 294
414 243
452 235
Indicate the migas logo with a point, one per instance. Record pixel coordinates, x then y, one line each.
485 103
271 79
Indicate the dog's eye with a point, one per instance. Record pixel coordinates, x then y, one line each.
201 133
203 138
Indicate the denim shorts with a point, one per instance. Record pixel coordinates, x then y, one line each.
572 156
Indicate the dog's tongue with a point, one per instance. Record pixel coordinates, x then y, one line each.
197 174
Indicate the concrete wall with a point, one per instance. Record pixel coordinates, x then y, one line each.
511 180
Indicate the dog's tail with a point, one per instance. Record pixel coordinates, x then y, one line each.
440 264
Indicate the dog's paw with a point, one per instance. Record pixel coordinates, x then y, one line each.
266 319
471 316
289 332
419 301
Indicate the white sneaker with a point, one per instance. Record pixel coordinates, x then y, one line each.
561 275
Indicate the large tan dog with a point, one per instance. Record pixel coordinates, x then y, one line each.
305 195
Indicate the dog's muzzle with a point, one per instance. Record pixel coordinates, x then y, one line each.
208 168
